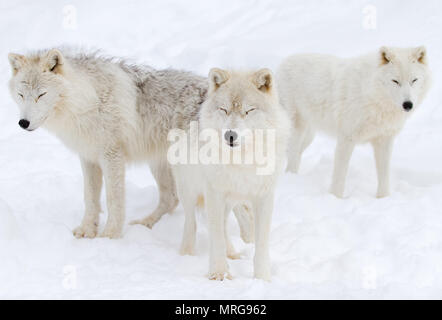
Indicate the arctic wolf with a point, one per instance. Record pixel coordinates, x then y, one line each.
237 101
110 113
365 99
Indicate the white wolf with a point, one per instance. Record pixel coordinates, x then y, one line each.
236 101
110 113
359 100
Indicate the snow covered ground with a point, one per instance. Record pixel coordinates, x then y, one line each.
321 247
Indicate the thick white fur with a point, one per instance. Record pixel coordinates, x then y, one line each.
109 113
356 100
228 186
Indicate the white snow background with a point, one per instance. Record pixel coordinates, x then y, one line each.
321 247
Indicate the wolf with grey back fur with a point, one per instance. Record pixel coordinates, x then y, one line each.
109 113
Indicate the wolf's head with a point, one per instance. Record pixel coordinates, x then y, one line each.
239 101
404 75
37 86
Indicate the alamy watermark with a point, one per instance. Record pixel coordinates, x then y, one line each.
70 17
369 278
69 281
224 147
370 17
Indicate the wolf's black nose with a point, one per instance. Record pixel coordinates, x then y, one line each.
230 137
408 105
24 123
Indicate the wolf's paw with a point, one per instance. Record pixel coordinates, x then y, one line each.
233 255
220 276
262 267
382 194
263 274
337 193
111 232
187 250
85 231
248 237
147 222
266 276
231 252
292 168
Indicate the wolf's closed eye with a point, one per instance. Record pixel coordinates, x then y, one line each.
414 81
222 109
21 96
41 95
250 110
397 82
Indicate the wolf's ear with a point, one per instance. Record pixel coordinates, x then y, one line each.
54 61
386 55
16 61
420 54
263 79
217 77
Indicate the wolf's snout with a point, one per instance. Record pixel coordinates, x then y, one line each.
408 105
231 137
24 123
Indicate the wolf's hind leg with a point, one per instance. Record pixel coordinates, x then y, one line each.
230 249
93 183
244 216
301 137
168 198
383 148
307 139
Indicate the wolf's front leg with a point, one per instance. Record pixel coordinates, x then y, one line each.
113 166
263 208
344 149
189 233
168 198
215 206
383 148
93 182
